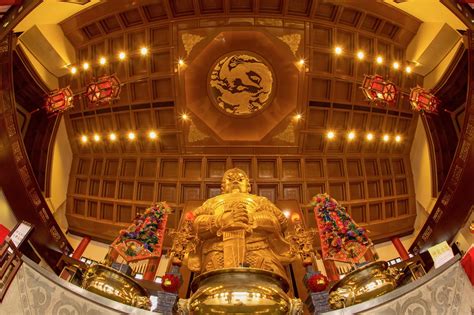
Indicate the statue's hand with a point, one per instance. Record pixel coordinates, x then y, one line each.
234 220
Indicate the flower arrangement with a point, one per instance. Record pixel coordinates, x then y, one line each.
341 238
170 282
316 282
143 233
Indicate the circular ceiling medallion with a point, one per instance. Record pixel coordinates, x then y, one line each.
241 83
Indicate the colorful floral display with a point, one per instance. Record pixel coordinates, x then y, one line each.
341 238
144 238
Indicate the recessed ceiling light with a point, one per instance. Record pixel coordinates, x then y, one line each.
351 135
122 55
84 139
396 65
144 51
330 135
338 50
113 137
152 135
360 55
102 60
398 138
180 62
73 70
408 69
370 136
379 60
131 136
85 65
386 138
96 138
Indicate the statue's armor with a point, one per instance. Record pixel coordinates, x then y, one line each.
265 247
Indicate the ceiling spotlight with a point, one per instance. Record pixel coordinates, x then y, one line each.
122 55
85 66
301 62
360 55
131 136
297 117
386 138
180 62
152 135
144 51
96 138
287 213
370 136
408 69
330 135
338 50
84 139
184 117
398 138
102 60
379 60
112 137
73 70
396 65
351 135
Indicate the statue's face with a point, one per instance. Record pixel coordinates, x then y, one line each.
235 180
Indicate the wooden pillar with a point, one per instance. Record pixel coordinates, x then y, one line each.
331 270
369 255
400 248
151 269
81 248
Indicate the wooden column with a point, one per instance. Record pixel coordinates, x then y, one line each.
331 270
81 248
400 248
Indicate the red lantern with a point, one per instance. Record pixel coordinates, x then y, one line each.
105 90
423 101
59 100
378 90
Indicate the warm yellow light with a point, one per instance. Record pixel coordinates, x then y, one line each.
180 62
144 51
360 55
301 62
379 60
73 70
184 117
351 135
386 138
370 136
122 55
112 137
96 138
85 66
152 135
396 65
330 135
338 50
408 69
84 139
102 60
131 136
398 138
297 117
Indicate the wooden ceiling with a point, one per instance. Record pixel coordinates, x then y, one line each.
111 181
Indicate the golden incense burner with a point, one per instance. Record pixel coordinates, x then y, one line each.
368 282
110 283
240 290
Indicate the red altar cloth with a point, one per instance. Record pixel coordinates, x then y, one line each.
467 262
3 233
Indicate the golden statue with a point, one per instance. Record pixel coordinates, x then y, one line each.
239 229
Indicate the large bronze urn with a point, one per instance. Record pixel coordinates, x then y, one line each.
363 284
116 286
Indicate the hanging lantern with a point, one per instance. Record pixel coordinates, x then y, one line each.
378 90
59 100
104 90
423 101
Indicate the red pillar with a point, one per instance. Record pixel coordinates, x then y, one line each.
151 269
400 248
331 270
81 248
